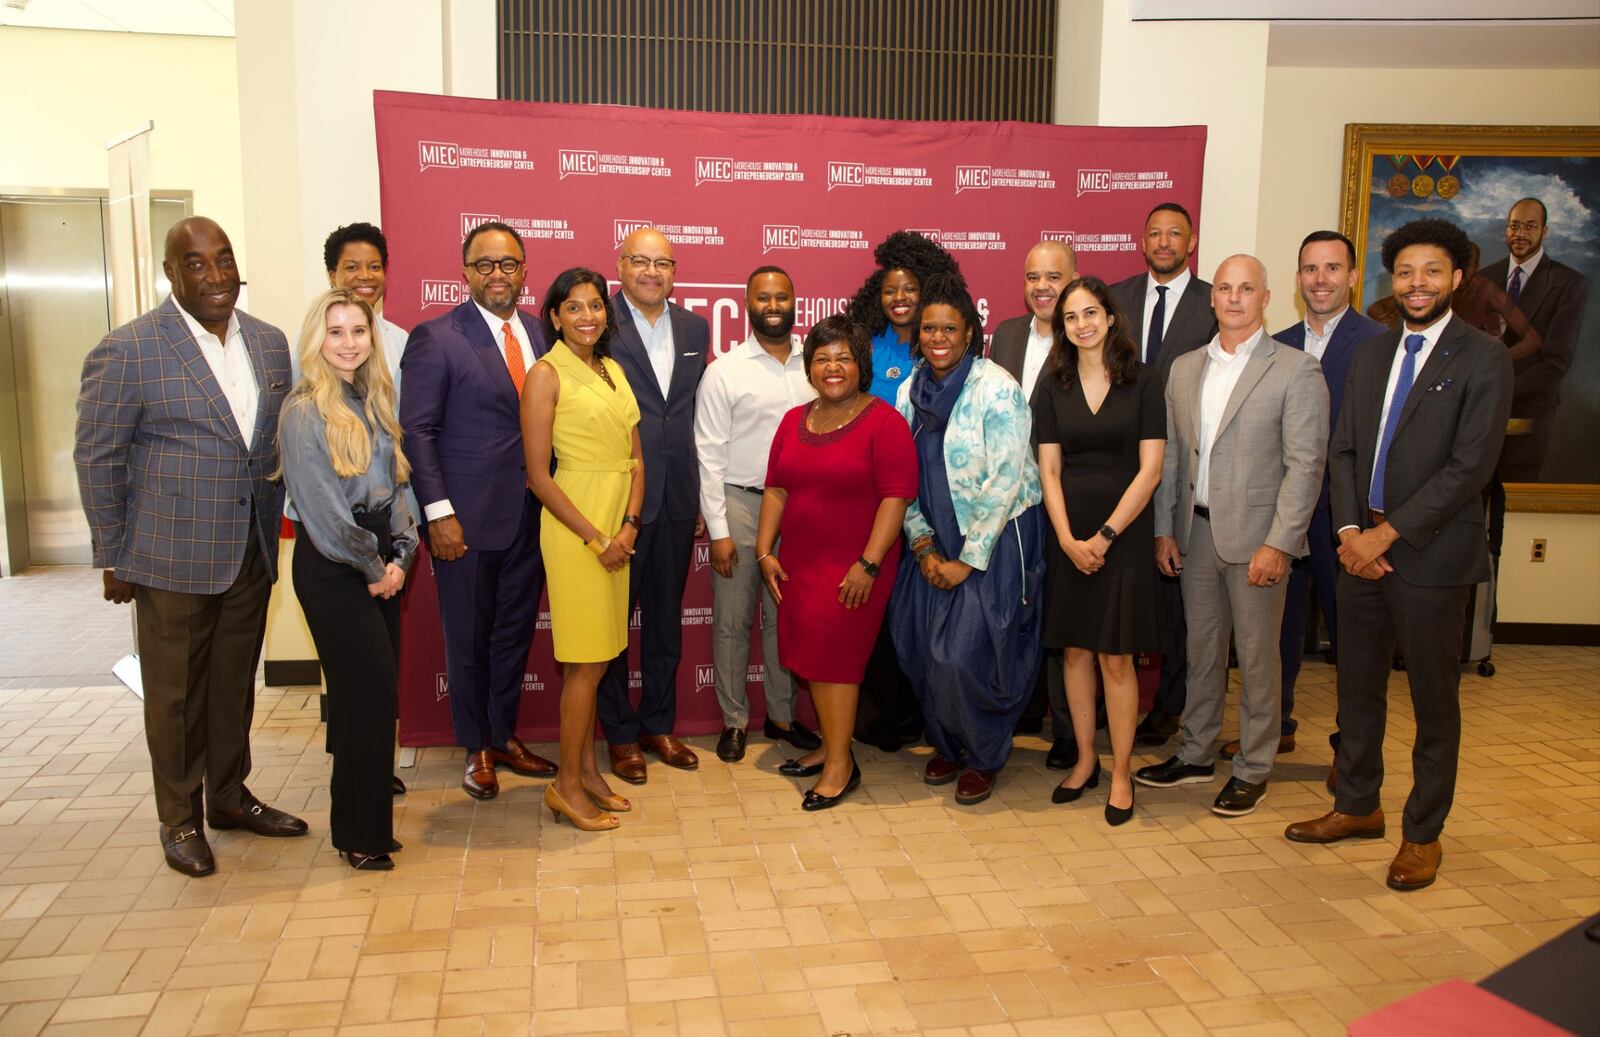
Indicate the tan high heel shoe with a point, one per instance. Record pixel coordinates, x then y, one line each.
559 806
608 802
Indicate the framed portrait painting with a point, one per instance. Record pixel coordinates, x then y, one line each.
1529 198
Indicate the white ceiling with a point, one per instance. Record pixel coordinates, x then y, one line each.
169 17
1471 46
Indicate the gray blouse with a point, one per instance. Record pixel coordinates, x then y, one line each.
326 502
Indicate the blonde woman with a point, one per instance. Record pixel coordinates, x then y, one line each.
340 443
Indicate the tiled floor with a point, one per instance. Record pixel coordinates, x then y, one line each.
719 907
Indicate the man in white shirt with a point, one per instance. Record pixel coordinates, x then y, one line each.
1247 433
741 400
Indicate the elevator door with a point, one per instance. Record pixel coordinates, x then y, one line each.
57 306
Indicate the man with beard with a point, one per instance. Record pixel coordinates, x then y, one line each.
1419 431
1169 313
741 400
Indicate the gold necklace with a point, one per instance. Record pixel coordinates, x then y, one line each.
850 414
605 376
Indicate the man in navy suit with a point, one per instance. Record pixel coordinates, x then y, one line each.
1331 331
463 433
662 349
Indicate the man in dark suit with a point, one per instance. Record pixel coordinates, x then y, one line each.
1553 295
1169 313
1419 430
662 349
1331 331
176 442
463 433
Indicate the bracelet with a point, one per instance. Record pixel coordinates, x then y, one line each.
632 520
921 542
922 552
599 545
762 558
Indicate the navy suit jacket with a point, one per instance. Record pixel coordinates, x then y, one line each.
1354 328
463 423
1554 299
666 423
1193 323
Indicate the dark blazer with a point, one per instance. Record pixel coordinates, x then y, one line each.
666 425
1354 328
1444 451
1553 299
1193 323
1008 346
463 424
166 479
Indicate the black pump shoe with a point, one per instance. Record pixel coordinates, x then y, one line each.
396 786
395 845
368 861
796 769
1121 815
1063 794
814 800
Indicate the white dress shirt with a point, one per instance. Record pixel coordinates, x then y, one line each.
229 361
657 339
742 398
1528 266
1317 344
1222 375
1034 356
1175 289
1430 337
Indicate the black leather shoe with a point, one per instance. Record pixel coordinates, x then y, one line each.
395 845
255 816
1063 794
1117 816
1157 728
814 800
1174 772
368 861
730 747
397 786
797 735
796 769
1238 798
187 850
1063 754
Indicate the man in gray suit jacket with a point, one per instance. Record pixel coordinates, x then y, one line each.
1168 311
176 441
1247 428
1419 431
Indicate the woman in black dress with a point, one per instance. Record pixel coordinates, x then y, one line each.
1101 425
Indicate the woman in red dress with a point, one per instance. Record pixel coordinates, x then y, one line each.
841 473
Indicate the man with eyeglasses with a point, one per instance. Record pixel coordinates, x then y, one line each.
662 349
463 433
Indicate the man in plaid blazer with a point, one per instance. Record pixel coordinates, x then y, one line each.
176 440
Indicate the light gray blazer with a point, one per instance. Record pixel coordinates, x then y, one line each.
1266 463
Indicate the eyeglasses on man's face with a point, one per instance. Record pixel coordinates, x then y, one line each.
1529 226
642 263
508 265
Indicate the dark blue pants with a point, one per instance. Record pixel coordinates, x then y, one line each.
489 603
1316 573
656 575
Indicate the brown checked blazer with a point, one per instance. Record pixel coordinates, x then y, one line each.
168 485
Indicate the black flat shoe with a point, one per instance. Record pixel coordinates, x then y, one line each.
730 747
395 845
814 800
1120 815
397 786
796 769
1064 794
797 735
368 861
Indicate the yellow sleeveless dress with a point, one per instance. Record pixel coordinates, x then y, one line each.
593 442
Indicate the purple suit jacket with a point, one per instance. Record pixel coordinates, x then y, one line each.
462 421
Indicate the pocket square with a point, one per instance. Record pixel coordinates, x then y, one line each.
1447 384
691 353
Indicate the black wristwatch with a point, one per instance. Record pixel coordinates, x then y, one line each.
1109 533
632 520
867 567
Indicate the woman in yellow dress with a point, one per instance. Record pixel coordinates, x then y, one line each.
578 407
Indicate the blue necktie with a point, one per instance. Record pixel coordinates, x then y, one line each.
1515 291
1402 389
1158 324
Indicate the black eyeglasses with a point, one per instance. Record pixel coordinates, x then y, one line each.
665 266
507 265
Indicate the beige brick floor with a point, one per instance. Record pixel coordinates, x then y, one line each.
719 907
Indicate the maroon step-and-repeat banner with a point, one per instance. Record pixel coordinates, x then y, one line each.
812 194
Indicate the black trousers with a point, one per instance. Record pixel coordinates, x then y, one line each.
1374 616
1172 691
358 642
656 577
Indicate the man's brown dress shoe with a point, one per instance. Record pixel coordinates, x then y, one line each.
1231 749
974 786
673 753
187 850
516 756
627 763
1415 866
939 771
1333 826
255 816
479 779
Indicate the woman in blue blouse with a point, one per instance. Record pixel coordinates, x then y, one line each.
966 617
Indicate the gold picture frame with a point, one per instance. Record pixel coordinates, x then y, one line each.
1437 149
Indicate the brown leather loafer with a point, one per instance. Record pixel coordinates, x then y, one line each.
973 787
1333 826
186 850
1415 866
673 753
255 816
627 763
479 779
1231 749
529 764
939 771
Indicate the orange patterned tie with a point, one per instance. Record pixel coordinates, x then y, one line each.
514 364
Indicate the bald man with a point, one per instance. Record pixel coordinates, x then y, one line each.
662 349
176 438
1247 436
